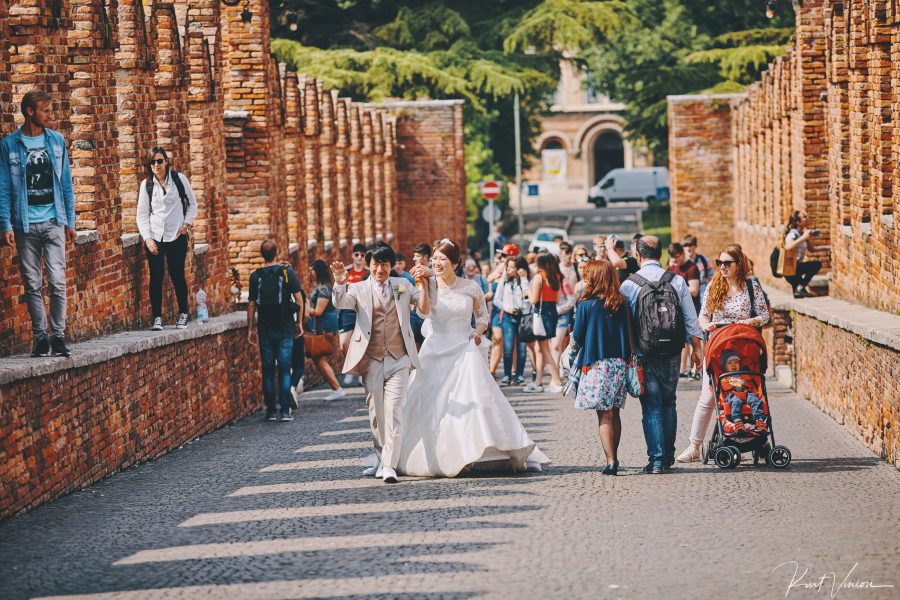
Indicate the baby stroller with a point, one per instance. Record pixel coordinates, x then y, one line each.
726 449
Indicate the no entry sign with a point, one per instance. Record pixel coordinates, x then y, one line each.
490 190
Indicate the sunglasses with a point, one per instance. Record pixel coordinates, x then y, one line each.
582 259
157 161
724 263
359 254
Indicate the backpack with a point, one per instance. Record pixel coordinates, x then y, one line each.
274 301
179 185
661 330
702 259
774 259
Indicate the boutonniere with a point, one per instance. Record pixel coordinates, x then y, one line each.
399 290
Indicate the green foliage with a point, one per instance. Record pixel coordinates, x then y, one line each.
566 25
682 47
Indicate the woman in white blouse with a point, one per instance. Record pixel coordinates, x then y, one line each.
165 213
726 301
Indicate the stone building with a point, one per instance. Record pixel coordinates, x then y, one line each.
820 132
269 153
583 137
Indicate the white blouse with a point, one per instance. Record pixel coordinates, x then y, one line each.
163 222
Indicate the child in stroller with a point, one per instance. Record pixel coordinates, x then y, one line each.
739 390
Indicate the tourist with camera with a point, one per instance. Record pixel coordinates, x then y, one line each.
797 240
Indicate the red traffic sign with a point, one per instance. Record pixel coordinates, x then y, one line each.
490 190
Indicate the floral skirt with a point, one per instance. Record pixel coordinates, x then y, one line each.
602 385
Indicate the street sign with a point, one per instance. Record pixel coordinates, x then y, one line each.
662 193
490 210
490 190
534 189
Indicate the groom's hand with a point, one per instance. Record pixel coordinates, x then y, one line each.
339 272
476 337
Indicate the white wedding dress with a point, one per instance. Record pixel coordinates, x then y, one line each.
455 413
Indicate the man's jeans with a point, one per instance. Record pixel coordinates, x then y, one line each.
510 327
276 347
44 245
658 405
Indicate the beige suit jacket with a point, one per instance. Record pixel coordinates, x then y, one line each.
359 297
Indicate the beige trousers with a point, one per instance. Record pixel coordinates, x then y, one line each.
386 382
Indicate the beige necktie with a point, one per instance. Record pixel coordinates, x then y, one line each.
384 291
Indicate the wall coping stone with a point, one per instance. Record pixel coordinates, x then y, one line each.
875 325
200 249
84 236
238 115
293 247
702 97
130 239
414 104
102 349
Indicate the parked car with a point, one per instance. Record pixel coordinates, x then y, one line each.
647 183
548 238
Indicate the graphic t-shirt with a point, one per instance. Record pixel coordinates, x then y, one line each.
690 272
38 180
354 276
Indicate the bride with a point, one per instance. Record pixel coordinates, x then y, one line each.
455 414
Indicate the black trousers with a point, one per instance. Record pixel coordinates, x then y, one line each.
805 272
172 253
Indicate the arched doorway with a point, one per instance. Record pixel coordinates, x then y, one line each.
609 154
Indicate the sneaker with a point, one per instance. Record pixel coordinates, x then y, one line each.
182 321
157 324
336 394
690 454
58 347
684 374
761 425
533 388
271 416
504 381
299 387
520 380
554 389
287 417
295 397
349 379
41 347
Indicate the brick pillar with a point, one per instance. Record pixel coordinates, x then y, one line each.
136 92
701 168
357 235
378 199
171 90
8 110
311 171
390 178
342 174
207 153
293 164
327 173
368 183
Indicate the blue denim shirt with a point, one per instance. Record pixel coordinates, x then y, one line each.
13 192
653 271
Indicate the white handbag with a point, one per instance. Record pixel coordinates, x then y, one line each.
537 323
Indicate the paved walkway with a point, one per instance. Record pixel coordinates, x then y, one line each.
278 510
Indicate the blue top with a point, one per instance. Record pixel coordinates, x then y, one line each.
13 184
652 271
38 180
599 333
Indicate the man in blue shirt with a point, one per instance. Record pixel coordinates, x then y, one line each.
661 374
37 215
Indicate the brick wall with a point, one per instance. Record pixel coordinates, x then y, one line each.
430 192
119 412
701 167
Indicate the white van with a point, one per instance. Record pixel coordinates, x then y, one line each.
646 183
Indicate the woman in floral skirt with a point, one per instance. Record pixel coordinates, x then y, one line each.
601 330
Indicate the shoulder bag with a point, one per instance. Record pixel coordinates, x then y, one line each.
634 373
787 261
537 321
319 343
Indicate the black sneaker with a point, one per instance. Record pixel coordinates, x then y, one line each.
287 417
653 469
41 347
58 347
271 417
182 321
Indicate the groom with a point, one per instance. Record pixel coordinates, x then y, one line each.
382 349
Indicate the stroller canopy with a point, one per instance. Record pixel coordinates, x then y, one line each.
746 341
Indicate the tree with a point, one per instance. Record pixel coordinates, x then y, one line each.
683 47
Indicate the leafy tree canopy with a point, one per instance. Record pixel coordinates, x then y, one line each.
685 47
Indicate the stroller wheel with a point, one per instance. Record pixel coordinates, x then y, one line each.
706 451
724 458
736 456
780 457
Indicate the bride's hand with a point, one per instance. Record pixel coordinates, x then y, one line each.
476 337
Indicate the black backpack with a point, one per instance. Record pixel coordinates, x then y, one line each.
179 185
274 302
773 261
660 323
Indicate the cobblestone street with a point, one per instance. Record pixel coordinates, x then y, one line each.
279 510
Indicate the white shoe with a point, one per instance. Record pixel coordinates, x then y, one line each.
157 324
533 388
690 454
370 472
296 396
300 386
553 389
336 394
379 471
389 475
348 379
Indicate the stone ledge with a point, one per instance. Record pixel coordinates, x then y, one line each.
98 350
84 236
200 249
702 97
130 239
414 104
876 326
